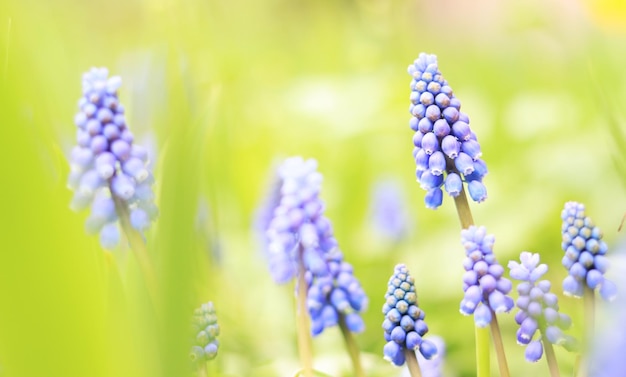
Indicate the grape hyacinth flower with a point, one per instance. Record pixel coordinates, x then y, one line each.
205 331
334 294
404 323
299 232
388 212
486 290
301 244
538 308
447 152
108 171
584 254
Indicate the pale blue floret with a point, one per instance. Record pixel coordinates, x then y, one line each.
444 142
106 167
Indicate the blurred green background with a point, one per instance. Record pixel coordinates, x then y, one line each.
222 91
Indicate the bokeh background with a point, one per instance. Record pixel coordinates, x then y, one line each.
222 91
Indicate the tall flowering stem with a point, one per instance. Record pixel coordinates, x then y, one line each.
447 154
301 245
404 324
586 263
110 173
538 312
486 290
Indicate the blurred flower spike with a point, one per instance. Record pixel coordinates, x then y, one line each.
205 331
107 170
404 323
389 215
538 308
300 235
447 152
584 256
486 290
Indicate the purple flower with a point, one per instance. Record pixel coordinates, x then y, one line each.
388 210
204 334
584 254
300 233
446 151
106 167
538 308
404 323
486 290
336 294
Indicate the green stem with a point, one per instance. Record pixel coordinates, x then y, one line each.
202 370
482 352
305 346
463 210
411 362
497 342
353 349
138 246
589 305
550 357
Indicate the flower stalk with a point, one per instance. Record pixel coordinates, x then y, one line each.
412 363
138 247
482 335
305 347
351 346
550 356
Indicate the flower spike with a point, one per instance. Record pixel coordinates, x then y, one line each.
107 169
447 152
404 323
584 256
486 290
538 308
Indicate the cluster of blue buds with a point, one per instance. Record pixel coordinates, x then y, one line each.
205 331
107 169
584 254
404 321
446 150
539 309
335 294
300 233
486 290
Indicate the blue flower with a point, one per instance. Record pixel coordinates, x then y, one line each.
446 151
335 294
300 233
388 210
486 290
404 323
205 331
108 172
298 230
538 308
584 256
